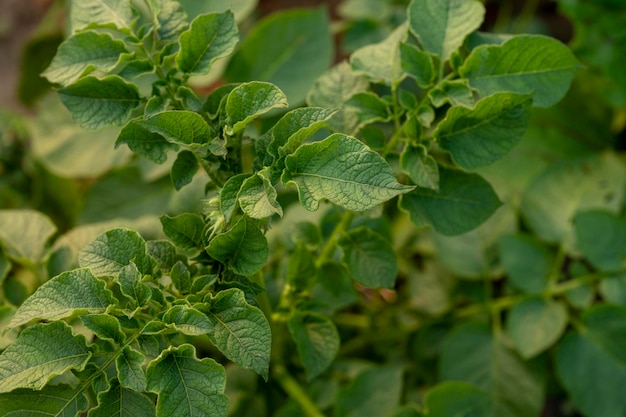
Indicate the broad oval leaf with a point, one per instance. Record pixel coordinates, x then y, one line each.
257 197
184 168
241 331
421 167
185 230
370 258
40 353
169 17
417 64
122 402
480 136
24 234
82 53
524 64
464 201
442 25
229 193
248 101
380 62
243 248
129 365
99 102
187 386
601 236
295 127
364 396
51 400
188 320
105 326
145 142
457 399
317 341
210 36
116 13
343 170
76 291
181 127
526 261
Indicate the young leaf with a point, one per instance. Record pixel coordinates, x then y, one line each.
169 18
185 230
209 37
184 168
524 64
442 25
297 35
99 102
40 353
229 193
369 257
105 326
527 262
601 236
181 127
257 197
181 277
188 320
295 127
144 142
421 167
131 285
369 108
536 324
457 399
76 291
24 234
343 170
471 354
242 333
417 64
480 136
243 248
111 251
317 340
130 369
87 13
51 400
463 202
364 396
187 386
250 100
83 53
453 92
122 402
380 62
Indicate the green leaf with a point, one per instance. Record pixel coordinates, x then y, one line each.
364 396
370 258
380 62
40 353
601 236
454 92
122 402
76 291
185 230
334 286
591 365
99 102
317 341
442 25
463 202
297 35
111 251
536 324
421 167
181 277
369 108
524 64
187 386
242 333
250 100
417 64
243 248
144 142
24 234
257 197
184 168
295 127
188 320
105 326
180 127
87 13
526 261
332 89
471 354
457 399
343 170
130 369
131 285
229 193
210 36
480 136
613 289
169 18
51 400
81 54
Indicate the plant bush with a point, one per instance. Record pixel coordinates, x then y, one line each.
434 226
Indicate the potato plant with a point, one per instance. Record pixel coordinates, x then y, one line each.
198 226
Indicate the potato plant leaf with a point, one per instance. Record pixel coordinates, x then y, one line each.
184 168
131 285
317 341
457 399
180 127
484 134
99 102
188 320
187 386
229 193
343 170
76 291
185 230
527 262
524 64
145 142
169 18
442 25
380 62
210 36
364 396
241 331
39 353
369 257
295 127
122 402
24 234
257 197
51 400
105 326
250 100
88 13
417 64
601 236
130 371
421 167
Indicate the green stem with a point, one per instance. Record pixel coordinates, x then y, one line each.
555 273
331 244
295 391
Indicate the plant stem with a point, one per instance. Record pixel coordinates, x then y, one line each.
331 244
295 391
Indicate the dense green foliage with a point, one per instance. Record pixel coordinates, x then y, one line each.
434 226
